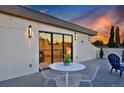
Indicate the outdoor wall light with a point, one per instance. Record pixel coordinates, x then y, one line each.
75 36
89 38
30 31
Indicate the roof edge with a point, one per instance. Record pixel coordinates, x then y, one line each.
40 17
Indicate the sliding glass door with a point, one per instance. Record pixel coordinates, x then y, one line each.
68 45
57 48
45 44
53 47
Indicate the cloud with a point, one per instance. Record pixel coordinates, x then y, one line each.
119 12
86 15
101 20
93 14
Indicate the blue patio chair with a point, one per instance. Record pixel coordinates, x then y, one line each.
122 56
115 63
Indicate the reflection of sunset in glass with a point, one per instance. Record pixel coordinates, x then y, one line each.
67 44
58 38
97 17
68 51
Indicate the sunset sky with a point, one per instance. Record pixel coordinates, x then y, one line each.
99 18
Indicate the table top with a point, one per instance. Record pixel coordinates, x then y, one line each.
72 67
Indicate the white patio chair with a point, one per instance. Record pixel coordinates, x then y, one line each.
49 74
73 80
90 76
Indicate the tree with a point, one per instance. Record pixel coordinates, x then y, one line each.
122 43
98 43
117 38
111 42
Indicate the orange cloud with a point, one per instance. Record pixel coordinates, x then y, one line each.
102 24
101 37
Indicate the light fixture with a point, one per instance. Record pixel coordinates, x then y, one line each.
30 31
75 35
89 38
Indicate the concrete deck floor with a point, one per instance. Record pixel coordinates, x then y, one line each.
102 79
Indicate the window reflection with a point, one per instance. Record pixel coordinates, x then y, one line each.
45 49
68 45
57 48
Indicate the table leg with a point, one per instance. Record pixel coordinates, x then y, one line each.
66 80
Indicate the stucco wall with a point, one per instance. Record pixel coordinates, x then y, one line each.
85 50
17 51
108 51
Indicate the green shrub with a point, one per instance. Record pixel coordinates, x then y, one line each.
67 59
101 53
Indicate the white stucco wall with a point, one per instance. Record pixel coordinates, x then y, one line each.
107 51
17 51
84 49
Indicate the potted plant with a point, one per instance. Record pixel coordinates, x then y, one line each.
67 60
101 53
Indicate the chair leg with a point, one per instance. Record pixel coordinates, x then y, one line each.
111 70
45 83
90 84
121 73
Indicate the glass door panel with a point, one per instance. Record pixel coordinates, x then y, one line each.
45 49
68 45
57 48
53 47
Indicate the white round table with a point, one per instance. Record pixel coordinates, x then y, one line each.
61 67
